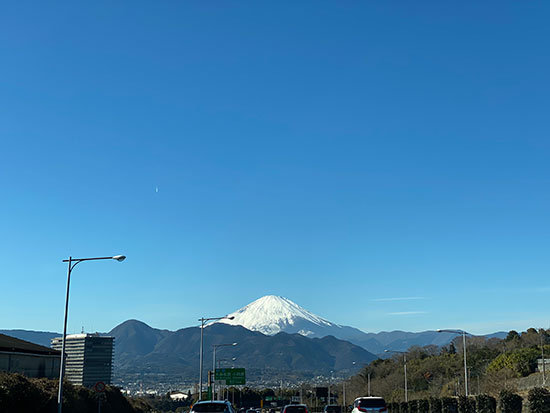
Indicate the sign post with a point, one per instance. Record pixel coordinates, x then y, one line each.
99 389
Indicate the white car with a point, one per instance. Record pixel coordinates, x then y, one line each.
295 408
369 405
212 406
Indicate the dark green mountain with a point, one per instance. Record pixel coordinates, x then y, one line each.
142 348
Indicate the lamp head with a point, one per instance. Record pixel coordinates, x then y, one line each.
234 344
119 258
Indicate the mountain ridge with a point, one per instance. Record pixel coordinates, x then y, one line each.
272 314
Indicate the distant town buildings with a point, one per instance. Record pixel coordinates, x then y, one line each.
89 358
29 359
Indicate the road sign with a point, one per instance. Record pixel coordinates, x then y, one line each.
230 377
99 387
321 392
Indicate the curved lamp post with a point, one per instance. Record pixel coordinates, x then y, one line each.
404 368
463 345
215 346
203 321
72 262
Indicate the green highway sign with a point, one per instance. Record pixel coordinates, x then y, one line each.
230 377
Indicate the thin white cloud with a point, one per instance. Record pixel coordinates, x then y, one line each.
398 299
408 312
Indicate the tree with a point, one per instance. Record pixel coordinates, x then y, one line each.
512 336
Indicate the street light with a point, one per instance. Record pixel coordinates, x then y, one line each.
215 346
329 380
204 320
72 262
404 368
344 387
463 345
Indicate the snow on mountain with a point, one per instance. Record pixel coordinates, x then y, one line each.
272 314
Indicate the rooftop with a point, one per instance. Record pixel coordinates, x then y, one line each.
12 344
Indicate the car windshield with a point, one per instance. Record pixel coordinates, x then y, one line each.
295 409
333 409
369 403
209 407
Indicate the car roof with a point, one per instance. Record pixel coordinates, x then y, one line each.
369 398
301 405
212 401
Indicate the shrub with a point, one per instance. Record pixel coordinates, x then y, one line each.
539 400
466 405
422 406
404 407
486 404
509 402
449 405
413 407
393 407
435 405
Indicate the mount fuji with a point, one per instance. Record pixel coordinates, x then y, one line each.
272 314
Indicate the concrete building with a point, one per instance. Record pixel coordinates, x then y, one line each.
89 358
546 363
29 359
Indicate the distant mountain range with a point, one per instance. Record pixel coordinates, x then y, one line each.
44 338
140 347
273 314
274 334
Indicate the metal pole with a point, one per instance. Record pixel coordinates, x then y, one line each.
200 361
214 372
344 396
405 368
465 368
543 362
368 384
62 367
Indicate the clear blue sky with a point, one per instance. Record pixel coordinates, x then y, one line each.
334 153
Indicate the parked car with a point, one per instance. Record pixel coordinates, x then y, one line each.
212 406
295 408
332 408
369 405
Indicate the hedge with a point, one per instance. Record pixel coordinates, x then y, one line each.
538 400
466 405
485 404
422 406
449 405
510 402
435 405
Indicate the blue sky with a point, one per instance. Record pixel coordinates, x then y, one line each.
383 164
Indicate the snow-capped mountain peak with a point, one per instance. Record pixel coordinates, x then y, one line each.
272 314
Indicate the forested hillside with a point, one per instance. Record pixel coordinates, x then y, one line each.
493 365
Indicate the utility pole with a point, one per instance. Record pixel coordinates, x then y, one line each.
466 392
543 361
404 370
368 381
344 394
